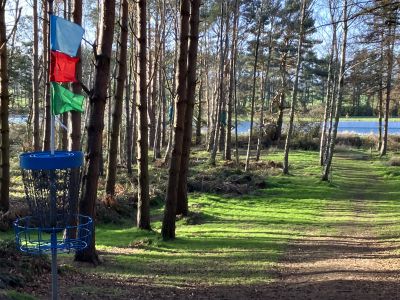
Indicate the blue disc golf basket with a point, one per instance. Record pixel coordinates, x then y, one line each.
54 224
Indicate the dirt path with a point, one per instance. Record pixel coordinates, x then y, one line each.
351 263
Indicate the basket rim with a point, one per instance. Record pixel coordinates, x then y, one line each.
45 160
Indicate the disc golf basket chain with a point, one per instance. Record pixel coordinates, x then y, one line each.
54 224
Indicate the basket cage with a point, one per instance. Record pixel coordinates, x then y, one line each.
38 185
54 224
38 240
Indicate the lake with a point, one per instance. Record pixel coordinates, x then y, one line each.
357 127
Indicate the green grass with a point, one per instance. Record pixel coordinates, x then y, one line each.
238 240
6 235
14 295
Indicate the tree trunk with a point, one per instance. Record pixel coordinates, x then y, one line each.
222 145
4 103
157 134
389 57
261 120
264 85
217 124
232 76
332 141
380 113
168 225
294 93
236 122
95 125
128 116
253 95
173 92
162 66
323 141
46 64
333 101
143 212
118 100
182 200
282 93
35 79
199 113
74 141
134 84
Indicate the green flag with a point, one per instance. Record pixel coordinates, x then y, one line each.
63 100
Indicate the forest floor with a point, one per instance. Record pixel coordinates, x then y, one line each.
299 238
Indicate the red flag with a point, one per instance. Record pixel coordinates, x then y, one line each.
63 67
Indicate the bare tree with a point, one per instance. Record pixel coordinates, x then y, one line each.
117 105
329 88
182 200
95 126
389 56
35 79
143 213
47 8
218 107
168 226
232 83
295 89
4 103
332 140
264 85
253 93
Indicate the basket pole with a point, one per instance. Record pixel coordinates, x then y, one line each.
54 283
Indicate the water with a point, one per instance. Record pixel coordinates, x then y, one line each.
356 127
367 127
17 119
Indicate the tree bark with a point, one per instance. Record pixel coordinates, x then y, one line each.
35 79
74 140
47 9
128 117
118 101
171 113
95 125
182 200
232 76
261 120
332 141
380 97
322 146
4 103
143 212
219 101
168 225
264 85
282 94
389 57
253 95
199 113
295 89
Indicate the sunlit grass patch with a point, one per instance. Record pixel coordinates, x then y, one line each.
239 239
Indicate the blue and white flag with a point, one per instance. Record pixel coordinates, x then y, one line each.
65 36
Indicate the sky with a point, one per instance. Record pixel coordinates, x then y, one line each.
320 10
